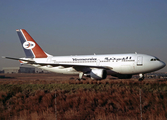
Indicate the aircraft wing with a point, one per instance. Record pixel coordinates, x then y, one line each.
75 66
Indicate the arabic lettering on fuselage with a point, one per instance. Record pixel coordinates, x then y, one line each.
106 59
119 59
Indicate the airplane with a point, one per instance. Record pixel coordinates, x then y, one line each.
94 66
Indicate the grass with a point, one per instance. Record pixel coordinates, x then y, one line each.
110 99
49 87
151 87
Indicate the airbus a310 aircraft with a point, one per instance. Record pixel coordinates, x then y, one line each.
94 66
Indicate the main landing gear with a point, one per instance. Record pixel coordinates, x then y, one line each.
80 76
141 77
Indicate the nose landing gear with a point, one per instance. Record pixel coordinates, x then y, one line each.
141 77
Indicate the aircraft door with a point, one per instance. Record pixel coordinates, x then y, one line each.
140 61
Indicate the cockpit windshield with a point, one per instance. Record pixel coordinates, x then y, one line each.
155 59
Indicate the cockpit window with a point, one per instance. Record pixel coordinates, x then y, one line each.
155 59
158 59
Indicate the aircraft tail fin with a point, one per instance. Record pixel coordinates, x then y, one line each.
31 48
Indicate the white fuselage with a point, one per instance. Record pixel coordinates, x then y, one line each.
119 63
96 67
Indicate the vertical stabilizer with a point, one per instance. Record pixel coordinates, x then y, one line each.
31 48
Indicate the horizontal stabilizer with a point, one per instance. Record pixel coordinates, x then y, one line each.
29 61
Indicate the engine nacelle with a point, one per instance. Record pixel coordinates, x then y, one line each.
98 74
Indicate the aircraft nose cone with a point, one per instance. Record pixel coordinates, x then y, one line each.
163 64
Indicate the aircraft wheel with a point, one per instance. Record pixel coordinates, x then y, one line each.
141 77
78 79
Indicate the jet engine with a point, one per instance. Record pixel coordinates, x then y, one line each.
97 74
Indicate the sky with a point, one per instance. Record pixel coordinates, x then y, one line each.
82 27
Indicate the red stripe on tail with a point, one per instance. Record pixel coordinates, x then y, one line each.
38 52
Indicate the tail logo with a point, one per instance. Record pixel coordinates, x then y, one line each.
28 45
